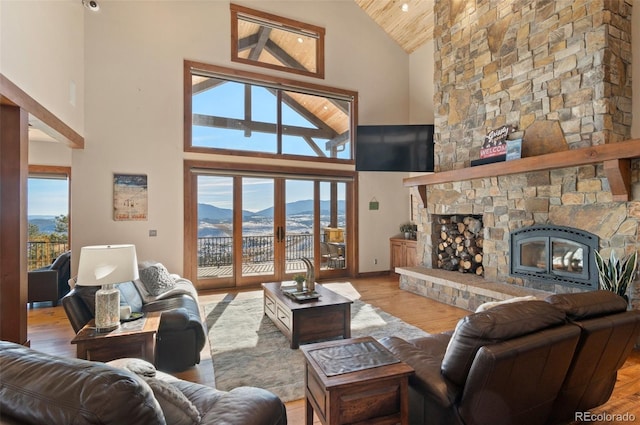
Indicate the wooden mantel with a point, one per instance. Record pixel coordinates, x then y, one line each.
616 159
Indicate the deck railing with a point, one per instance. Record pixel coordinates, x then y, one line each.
40 254
216 251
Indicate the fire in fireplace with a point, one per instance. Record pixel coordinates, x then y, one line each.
557 254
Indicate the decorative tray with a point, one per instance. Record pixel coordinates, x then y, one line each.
293 293
134 316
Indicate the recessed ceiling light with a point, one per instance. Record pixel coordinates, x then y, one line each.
91 5
405 7
300 40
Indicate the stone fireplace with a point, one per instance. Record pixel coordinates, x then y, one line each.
559 72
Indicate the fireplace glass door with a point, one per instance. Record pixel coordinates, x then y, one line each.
554 253
567 257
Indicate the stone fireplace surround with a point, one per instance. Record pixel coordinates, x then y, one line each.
572 197
559 73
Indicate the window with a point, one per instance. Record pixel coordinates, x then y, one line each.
236 112
271 41
48 214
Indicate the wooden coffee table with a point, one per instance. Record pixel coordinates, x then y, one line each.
132 339
327 317
342 390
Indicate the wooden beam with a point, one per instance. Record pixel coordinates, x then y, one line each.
14 145
263 37
338 141
254 43
207 84
618 170
261 127
13 95
313 145
283 56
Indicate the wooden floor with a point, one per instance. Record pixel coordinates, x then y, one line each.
50 331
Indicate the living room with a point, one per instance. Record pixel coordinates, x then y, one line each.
116 75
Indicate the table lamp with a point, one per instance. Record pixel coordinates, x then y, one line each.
107 265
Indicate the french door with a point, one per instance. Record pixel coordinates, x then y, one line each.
254 227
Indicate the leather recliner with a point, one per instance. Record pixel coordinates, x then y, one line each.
519 363
608 334
50 283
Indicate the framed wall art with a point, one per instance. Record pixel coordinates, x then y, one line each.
130 197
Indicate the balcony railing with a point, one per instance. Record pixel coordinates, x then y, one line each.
216 251
40 254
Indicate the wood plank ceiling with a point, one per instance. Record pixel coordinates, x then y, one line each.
410 26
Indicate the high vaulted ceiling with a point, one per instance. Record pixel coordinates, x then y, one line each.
411 28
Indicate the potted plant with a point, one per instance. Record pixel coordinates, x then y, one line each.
299 279
407 229
616 273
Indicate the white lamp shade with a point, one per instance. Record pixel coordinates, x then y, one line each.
107 264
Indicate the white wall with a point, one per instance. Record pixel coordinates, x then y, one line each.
49 153
42 52
133 63
421 83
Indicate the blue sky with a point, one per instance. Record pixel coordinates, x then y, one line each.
227 100
48 197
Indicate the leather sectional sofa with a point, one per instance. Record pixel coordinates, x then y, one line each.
182 333
38 388
529 362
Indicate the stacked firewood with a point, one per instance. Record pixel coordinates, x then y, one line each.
459 243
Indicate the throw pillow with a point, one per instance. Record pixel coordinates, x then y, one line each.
176 407
138 366
156 279
491 304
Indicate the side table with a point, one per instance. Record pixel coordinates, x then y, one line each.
132 339
355 381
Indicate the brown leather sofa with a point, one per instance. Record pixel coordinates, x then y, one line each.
529 362
38 388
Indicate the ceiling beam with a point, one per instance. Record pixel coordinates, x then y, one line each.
263 37
261 127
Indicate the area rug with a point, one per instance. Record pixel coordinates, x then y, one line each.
248 349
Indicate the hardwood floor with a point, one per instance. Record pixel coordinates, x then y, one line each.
49 331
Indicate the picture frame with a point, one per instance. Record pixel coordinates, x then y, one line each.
130 197
514 149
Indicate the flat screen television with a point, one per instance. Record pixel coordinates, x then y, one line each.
394 147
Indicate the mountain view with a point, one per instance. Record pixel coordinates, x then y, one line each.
45 223
216 222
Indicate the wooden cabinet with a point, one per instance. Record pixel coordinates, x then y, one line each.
403 252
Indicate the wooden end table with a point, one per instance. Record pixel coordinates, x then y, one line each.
373 395
327 317
131 339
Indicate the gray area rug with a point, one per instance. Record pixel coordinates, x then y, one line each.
248 349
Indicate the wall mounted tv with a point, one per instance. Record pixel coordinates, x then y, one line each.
394 147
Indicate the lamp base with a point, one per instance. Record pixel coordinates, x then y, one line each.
107 308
